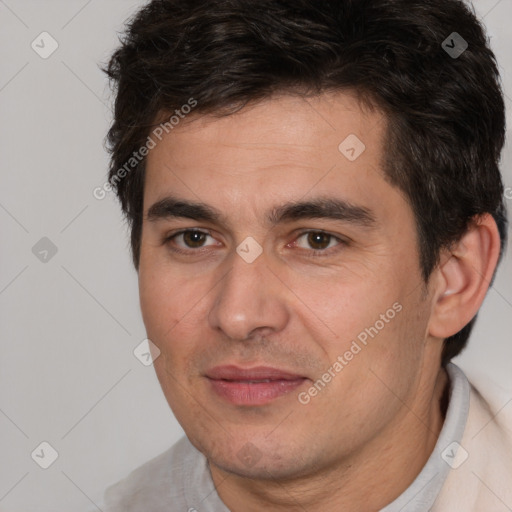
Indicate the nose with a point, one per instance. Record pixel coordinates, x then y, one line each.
249 300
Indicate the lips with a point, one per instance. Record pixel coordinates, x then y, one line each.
252 386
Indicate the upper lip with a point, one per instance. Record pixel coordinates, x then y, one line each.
236 373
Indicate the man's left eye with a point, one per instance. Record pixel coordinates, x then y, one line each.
317 240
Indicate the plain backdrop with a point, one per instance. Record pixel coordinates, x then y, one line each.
69 307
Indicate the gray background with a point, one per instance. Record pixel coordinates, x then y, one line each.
68 375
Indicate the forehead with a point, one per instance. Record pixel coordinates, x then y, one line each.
283 148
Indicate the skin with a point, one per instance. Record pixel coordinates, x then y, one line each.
363 439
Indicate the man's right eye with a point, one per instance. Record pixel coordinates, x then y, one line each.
187 240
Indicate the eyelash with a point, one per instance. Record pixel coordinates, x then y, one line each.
312 252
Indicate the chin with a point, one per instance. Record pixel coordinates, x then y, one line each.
256 459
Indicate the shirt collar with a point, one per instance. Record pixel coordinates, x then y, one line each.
422 493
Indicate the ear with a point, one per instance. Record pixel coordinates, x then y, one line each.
463 277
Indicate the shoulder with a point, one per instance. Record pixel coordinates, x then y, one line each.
490 418
159 482
482 476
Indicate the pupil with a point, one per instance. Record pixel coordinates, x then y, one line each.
194 238
321 239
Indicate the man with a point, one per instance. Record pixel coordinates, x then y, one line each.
316 215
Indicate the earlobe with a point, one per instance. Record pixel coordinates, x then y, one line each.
465 273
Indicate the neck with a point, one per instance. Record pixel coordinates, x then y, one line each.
368 480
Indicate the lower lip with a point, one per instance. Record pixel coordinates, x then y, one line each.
253 393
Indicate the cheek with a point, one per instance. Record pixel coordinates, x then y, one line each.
375 323
346 307
165 297
174 310
155 302
381 359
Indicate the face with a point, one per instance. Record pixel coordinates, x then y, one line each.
279 277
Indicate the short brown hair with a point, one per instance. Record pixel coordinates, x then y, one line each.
446 120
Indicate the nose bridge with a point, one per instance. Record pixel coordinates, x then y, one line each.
247 299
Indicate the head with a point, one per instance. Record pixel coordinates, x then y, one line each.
264 95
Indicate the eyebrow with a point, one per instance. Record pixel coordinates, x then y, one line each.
318 208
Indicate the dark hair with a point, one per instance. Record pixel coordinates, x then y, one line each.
445 112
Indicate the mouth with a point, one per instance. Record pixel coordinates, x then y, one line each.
252 386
